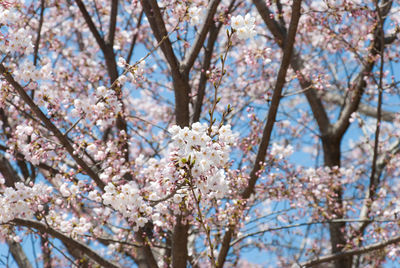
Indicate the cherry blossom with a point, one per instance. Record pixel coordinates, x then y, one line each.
196 15
244 26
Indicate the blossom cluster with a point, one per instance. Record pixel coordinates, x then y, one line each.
109 97
280 152
36 148
318 183
67 190
196 15
244 26
28 71
24 131
127 200
75 226
196 161
135 71
22 200
72 226
113 164
18 40
204 157
102 109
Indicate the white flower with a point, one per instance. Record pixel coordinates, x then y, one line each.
196 15
174 130
93 195
74 189
92 149
122 79
199 127
249 21
244 33
244 26
101 91
121 62
280 151
226 135
64 190
74 112
177 198
141 221
17 239
237 22
78 104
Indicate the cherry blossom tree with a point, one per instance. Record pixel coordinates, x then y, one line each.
201 133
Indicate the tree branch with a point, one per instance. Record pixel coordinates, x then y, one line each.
307 224
342 124
39 31
374 181
50 126
18 254
180 81
204 67
106 48
133 43
191 56
66 240
113 22
179 243
280 36
362 108
208 52
181 90
7 131
99 39
8 172
155 18
46 252
280 13
44 166
381 163
353 252
277 31
145 257
276 97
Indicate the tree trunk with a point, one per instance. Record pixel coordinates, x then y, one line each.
331 148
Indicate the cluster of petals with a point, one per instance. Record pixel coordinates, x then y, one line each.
244 26
196 15
35 149
135 71
320 181
28 71
22 200
109 97
195 155
101 110
127 200
281 152
72 226
97 152
206 158
75 226
23 132
67 190
11 41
